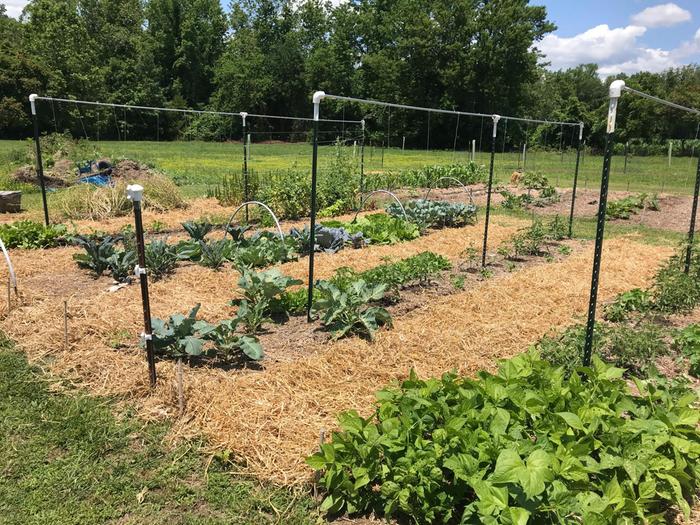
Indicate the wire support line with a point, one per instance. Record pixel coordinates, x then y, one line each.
661 101
193 111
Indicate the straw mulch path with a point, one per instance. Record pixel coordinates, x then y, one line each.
271 419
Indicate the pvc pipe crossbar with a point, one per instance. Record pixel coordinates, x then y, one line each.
192 111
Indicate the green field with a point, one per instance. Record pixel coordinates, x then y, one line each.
196 165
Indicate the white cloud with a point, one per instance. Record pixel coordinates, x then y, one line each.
14 7
662 15
599 44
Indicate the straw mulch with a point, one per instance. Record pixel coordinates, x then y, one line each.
271 419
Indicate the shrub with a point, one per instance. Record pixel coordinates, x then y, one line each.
30 234
527 445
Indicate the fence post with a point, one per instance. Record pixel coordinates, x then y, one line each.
246 196
693 217
495 118
573 194
318 97
615 93
39 163
134 193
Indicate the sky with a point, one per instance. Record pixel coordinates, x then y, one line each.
622 36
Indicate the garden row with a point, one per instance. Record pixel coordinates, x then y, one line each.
544 440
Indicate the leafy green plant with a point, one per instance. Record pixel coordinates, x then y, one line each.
687 342
215 253
261 296
121 265
527 445
380 228
30 235
98 252
435 214
263 250
161 259
177 337
346 311
624 208
227 343
197 230
635 300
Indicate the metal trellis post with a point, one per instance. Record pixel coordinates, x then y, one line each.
362 159
495 118
39 163
246 197
573 194
693 217
135 195
318 97
615 93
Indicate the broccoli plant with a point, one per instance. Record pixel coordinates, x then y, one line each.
261 296
178 337
346 310
228 344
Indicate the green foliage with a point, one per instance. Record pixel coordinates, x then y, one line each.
428 177
229 192
527 445
161 259
263 250
675 291
288 193
98 253
418 268
635 300
687 342
632 348
121 264
215 253
29 234
535 239
627 206
261 296
435 214
380 228
346 311
178 337
229 345
197 230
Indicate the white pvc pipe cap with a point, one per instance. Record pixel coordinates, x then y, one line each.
134 192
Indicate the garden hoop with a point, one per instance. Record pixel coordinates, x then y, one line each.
467 190
366 197
13 277
245 204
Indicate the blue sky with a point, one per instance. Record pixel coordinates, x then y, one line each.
620 35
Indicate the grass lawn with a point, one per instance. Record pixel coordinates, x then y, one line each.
67 460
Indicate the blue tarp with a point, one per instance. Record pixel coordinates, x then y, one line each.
97 180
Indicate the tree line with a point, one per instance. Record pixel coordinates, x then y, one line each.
269 56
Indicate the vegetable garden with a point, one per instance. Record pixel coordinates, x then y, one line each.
415 352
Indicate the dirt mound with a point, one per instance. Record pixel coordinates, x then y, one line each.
27 175
130 169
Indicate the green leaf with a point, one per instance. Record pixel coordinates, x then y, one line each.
509 467
572 420
537 471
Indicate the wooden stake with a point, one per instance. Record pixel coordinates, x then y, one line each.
180 390
65 325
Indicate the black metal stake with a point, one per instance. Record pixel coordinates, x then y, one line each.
362 159
312 229
39 163
573 194
246 197
693 217
135 194
598 251
496 118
